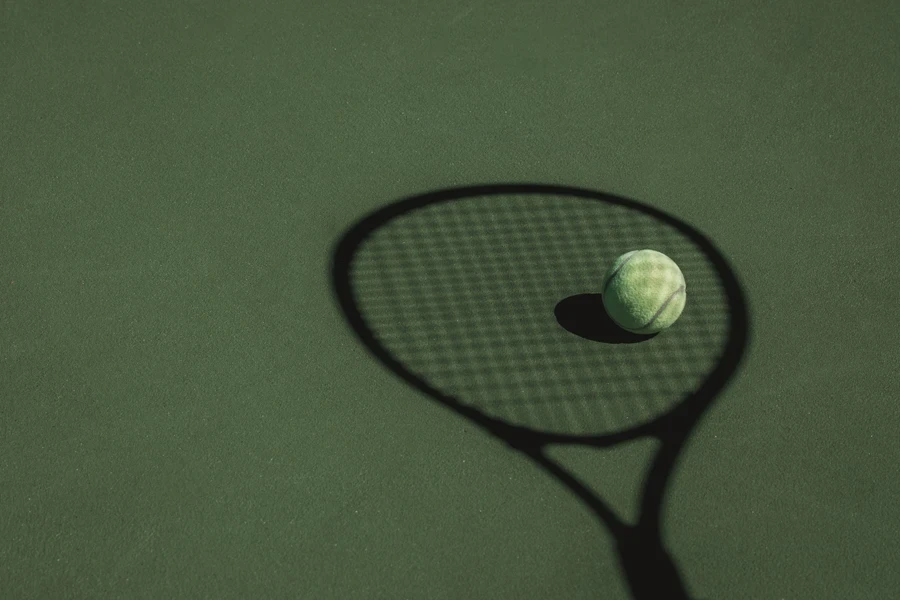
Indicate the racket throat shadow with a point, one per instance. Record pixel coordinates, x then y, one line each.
648 568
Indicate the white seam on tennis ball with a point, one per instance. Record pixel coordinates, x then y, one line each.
619 269
680 289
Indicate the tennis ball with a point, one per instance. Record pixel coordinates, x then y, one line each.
644 291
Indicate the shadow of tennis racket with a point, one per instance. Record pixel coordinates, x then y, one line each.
482 298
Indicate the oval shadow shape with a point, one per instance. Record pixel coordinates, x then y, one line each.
585 316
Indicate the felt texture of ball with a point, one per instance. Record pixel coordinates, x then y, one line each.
644 291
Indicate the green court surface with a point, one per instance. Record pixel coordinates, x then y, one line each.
215 381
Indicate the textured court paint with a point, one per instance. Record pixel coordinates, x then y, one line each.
172 180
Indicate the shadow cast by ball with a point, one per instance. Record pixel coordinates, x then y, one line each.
584 315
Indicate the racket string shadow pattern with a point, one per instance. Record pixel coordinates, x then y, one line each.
484 299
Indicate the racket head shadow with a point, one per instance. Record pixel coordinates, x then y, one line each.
480 298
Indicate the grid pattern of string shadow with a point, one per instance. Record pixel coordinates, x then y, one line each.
463 294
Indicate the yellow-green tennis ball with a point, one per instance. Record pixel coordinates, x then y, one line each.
644 291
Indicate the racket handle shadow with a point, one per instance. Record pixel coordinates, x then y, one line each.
649 569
